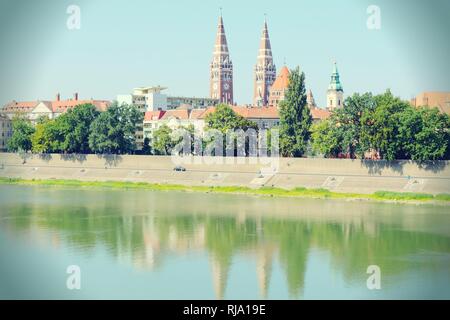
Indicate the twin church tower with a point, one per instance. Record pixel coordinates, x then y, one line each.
221 81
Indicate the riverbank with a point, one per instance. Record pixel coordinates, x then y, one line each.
336 175
300 192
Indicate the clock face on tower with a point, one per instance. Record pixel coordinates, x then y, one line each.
215 86
226 86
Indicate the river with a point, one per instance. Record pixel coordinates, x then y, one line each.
139 244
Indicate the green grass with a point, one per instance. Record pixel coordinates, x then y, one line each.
263 191
403 195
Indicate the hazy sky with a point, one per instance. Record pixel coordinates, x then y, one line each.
126 44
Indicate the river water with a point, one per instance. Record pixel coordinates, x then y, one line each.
138 244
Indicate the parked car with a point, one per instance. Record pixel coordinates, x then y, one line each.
179 168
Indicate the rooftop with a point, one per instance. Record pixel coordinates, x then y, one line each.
53 106
282 80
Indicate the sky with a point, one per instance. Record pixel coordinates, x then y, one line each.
126 44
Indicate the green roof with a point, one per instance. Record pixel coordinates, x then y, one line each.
335 83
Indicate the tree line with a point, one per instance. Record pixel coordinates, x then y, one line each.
383 127
81 129
368 126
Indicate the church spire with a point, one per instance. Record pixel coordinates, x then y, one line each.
335 93
265 70
221 68
310 100
265 48
335 83
221 45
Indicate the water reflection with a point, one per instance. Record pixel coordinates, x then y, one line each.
143 228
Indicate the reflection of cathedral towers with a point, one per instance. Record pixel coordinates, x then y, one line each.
220 269
265 71
264 268
221 81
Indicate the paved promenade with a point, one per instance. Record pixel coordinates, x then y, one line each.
334 174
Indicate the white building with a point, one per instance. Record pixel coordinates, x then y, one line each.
146 98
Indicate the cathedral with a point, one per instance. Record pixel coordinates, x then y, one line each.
221 85
265 71
268 88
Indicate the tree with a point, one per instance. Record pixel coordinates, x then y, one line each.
41 143
295 117
348 123
341 133
380 127
424 134
386 125
162 142
49 136
21 135
146 148
105 134
76 123
326 138
228 122
130 120
67 133
224 118
113 131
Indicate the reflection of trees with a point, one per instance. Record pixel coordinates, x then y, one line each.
146 239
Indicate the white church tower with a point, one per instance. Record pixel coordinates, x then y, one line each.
335 93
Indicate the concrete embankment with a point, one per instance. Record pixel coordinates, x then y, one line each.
333 174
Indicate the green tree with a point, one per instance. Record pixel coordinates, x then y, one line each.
385 124
49 136
341 133
349 125
295 117
113 131
224 118
76 123
380 127
227 121
146 148
21 135
162 142
326 138
424 134
41 143
105 134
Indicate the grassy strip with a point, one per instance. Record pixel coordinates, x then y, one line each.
264 191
